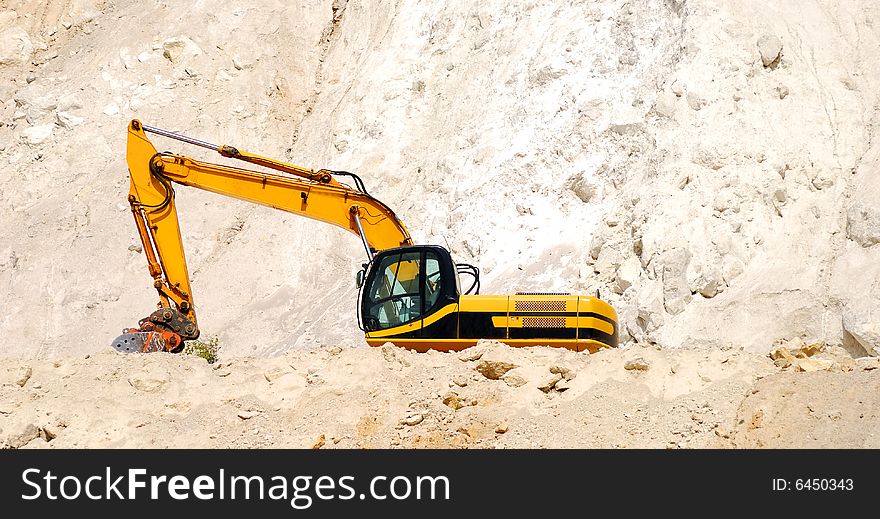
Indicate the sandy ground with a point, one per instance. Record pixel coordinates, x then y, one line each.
387 397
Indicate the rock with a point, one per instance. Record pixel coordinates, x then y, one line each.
473 353
782 91
514 378
148 382
770 49
51 431
861 320
179 48
247 415
695 101
677 88
24 376
26 434
863 224
111 109
650 306
781 357
731 268
495 363
274 374
627 274
664 106
320 442
335 350
562 385
673 273
68 102
868 363
460 380
710 282
637 364
15 46
452 400
566 372
502 427
596 245
37 134
241 63
548 382
810 349
413 419
810 364
68 120
582 188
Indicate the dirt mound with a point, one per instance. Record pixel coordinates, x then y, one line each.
387 397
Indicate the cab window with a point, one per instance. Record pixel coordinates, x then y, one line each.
394 294
433 286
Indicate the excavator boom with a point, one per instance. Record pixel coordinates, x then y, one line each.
313 194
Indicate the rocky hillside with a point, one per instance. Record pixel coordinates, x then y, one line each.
708 165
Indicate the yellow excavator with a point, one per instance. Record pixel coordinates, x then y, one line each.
409 295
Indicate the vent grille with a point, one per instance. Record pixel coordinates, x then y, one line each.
543 322
540 306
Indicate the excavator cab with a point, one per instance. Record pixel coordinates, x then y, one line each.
406 284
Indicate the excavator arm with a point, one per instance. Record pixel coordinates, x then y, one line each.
313 194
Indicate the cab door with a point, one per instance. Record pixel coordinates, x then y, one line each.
393 297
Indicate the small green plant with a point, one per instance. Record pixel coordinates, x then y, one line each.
209 350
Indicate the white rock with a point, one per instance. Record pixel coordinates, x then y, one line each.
673 271
665 104
180 48
710 282
515 378
111 109
37 134
627 274
677 88
16 47
241 63
695 101
770 49
582 187
68 120
650 305
731 268
68 102
861 319
413 419
863 224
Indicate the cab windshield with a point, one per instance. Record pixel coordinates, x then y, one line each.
404 288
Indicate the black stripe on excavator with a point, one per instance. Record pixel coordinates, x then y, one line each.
478 325
598 335
444 328
543 333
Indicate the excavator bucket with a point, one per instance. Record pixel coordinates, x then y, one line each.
139 342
